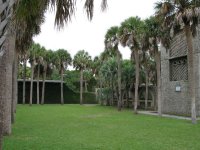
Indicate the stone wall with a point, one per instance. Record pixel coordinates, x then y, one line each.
178 102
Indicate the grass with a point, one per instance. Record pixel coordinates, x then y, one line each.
75 127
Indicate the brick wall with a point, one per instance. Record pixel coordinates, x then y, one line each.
174 102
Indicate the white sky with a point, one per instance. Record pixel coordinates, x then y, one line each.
83 34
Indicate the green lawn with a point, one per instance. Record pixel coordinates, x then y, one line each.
75 127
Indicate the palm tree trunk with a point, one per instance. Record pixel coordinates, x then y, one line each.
147 89
62 100
43 85
15 92
81 87
15 86
2 94
119 81
31 86
24 82
10 48
7 10
191 73
136 80
38 85
86 90
159 104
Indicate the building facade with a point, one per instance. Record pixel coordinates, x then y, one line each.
174 76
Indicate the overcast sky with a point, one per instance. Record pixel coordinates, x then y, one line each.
83 34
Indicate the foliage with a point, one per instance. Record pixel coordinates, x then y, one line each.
72 79
87 75
55 75
62 59
21 72
29 15
106 93
109 71
33 52
130 32
111 41
128 73
82 60
65 9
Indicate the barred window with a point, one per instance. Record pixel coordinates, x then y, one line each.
178 69
178 46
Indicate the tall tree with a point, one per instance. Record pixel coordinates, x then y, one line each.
80 62
40 52
153 34
111 42
32 61
149 49
9 73
130 35
47 65
7 57
63 59
24 78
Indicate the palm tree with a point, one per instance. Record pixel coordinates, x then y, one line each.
5 62
153 34
32 61
183 15
7 118
111 42
24 77
81 61
14 86
63 59
40 52
130 35
47 65
150 33
44 71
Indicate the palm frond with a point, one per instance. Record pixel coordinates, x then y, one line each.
64 11
123 39
89 7
104 5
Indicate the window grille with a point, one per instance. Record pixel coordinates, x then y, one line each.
178 69
178 46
